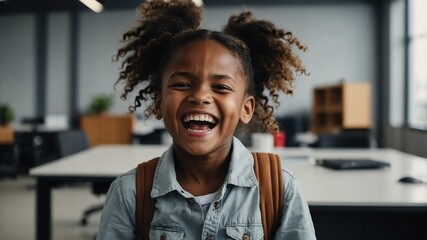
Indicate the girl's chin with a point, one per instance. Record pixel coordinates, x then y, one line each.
199 149
202 148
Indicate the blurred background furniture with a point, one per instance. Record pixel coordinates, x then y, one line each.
104 128
8 154
292 125
36 140
345 139
343 106
341 116
8 160
6 134
72 142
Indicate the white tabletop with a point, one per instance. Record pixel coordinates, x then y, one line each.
100 161
380 187
321 186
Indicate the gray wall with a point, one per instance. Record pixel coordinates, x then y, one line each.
99 40
341 41
58 62
17 63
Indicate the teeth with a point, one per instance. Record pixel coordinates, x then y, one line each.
199 131
199 117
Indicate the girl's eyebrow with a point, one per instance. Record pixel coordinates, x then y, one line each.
213 76
183 74
222 76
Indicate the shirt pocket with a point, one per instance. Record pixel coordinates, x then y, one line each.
164 233
245 232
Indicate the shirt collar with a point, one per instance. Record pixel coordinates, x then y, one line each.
165 176
240 172
241 169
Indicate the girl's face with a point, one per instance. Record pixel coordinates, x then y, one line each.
203 97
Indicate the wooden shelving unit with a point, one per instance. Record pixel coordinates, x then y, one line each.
6 134
343 106
108 129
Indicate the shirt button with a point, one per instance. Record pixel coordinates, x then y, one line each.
190 201
217 205
163 237
246 237
209 238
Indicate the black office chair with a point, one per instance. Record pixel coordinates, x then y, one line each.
292 125
37 140
346 140
8 161
71 142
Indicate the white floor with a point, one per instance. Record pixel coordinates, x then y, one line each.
17 211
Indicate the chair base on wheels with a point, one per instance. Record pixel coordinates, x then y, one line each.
88 212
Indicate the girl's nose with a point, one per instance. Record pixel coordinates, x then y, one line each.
201 95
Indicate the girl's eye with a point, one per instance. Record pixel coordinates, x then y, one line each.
221 88
180 85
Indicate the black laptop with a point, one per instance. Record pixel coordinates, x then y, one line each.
348 164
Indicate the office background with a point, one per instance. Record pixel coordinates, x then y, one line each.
55 61
56 55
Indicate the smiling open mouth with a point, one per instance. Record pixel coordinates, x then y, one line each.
199 122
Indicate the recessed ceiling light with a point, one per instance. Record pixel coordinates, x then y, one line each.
93 5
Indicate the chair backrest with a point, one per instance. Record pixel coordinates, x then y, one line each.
71 142
292 125
346 140
8 160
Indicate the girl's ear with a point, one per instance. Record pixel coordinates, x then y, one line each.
248 109
157 105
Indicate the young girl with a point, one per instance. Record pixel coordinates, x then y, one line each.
203 85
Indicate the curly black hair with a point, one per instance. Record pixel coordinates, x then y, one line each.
264 50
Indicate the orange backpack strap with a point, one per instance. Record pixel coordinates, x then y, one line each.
144 203
269 174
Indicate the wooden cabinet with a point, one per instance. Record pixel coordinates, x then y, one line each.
6 134
343 106
105 129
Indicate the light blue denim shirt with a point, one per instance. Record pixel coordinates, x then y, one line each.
178 215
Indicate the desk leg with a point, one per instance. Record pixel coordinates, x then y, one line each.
43 210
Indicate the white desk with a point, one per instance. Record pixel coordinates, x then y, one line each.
380 187
322 187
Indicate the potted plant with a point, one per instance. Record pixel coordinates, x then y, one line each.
6 114
101 103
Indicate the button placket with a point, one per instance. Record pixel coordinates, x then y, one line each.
217 204
209 238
